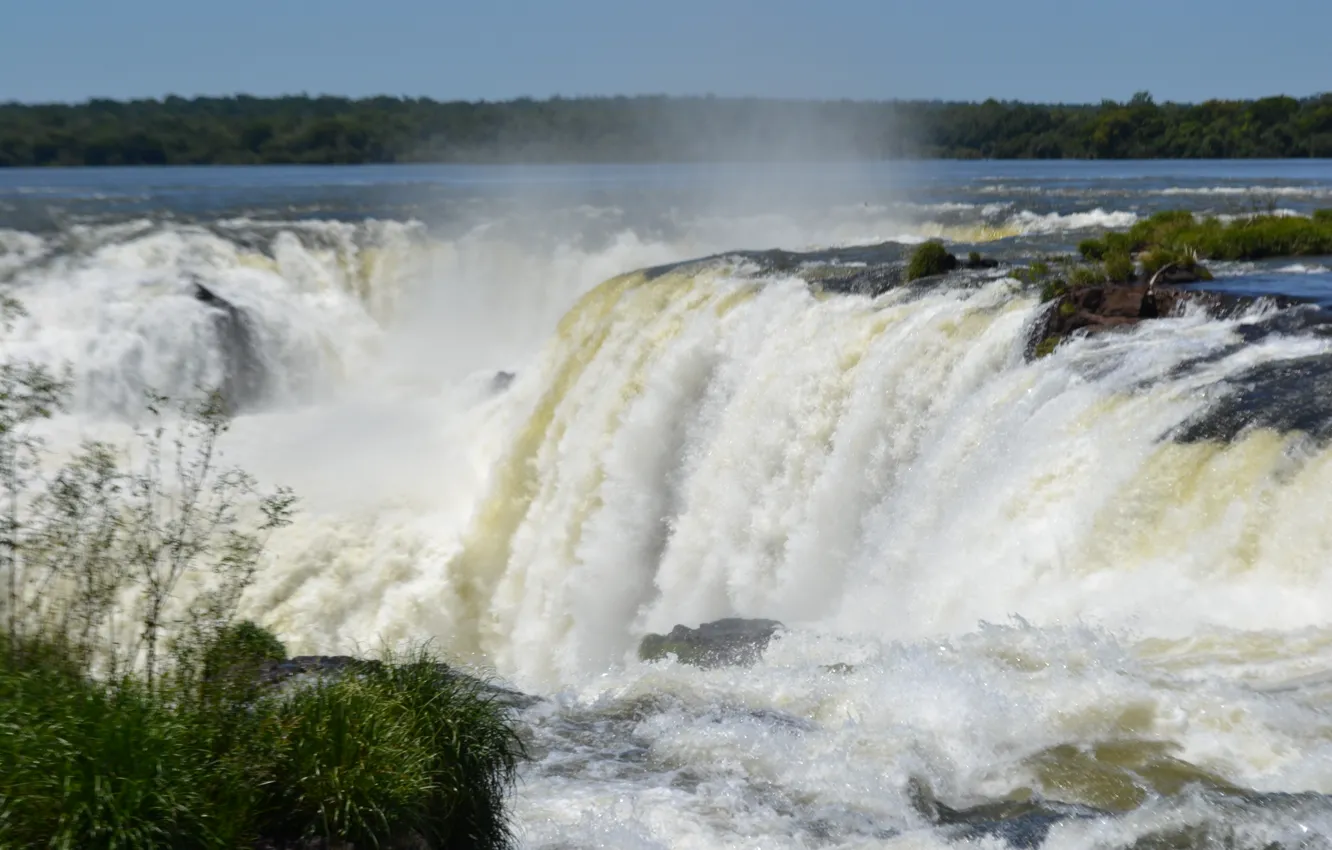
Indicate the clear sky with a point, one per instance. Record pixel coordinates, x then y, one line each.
1046 50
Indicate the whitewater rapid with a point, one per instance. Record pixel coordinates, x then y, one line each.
979 559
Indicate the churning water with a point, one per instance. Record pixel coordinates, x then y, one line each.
1004 583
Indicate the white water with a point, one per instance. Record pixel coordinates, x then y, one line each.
885 476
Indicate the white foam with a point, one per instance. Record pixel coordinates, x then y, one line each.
1247 191
883 475
1030 222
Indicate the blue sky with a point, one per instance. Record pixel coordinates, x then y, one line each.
1048 50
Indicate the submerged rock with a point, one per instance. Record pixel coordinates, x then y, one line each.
729 642
1021 823
1284 395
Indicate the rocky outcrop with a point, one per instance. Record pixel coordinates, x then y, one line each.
1284 395
243 378
1087 310
1098 308
723 643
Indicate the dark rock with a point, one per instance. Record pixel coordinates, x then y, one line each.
723 643
1095 309
872 281
243 384
501 381
1178 275
1021 823
1284 395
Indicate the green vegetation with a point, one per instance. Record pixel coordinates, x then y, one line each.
1080 276
1047 346
1178 237
134 708
406 753
1053 288
1119 268
930 259
647 129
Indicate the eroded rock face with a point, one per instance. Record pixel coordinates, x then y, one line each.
244 382
730 642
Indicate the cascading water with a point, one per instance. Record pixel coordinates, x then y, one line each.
1002 579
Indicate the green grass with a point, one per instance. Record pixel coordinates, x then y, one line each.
1177 234
404 752
1118 267
85 765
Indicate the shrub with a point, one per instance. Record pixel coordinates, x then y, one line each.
1323 216
408 750
1086 276
88 765
404 752
1092 249
1120 243
343 763
930 259
1053 289
1118 268
474 752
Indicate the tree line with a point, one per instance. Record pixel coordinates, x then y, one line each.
303 129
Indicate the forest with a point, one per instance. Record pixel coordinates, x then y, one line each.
331 130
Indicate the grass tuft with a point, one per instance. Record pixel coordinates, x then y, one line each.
930 259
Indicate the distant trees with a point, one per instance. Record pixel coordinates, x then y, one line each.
303 129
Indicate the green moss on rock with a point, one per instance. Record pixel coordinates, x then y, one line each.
1047 346
930 259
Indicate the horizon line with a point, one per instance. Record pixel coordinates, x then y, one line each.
707 96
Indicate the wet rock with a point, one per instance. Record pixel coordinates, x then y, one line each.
1021 823
872 281
1178 275
1112 306
1284 395
501 381
277 672
730 642
1093 309
243 384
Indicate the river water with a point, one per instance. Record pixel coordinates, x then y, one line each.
1001 580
